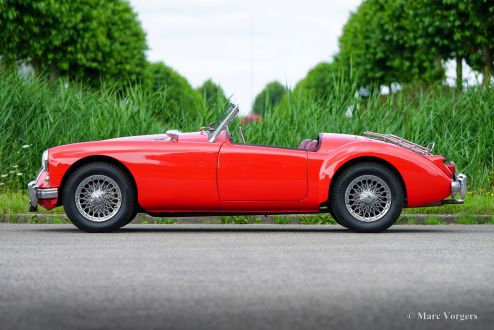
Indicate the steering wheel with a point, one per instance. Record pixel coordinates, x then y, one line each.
241 133
207 128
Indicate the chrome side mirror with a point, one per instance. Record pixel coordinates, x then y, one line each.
173 134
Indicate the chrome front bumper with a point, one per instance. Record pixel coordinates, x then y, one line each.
36 193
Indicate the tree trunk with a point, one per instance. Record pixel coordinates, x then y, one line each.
459 72
53 71
487 59
438 69
36 67
437 62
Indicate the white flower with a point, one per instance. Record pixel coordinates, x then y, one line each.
5 175
349 111
11 172
19 174
1 183
25 146
15 166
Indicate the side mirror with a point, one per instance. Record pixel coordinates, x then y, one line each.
173 134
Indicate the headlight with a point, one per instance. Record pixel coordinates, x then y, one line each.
44 160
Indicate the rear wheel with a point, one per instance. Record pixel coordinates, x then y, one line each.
99 197
367 197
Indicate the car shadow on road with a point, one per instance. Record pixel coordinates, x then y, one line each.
257 229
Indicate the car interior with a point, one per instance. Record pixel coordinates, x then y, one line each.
232 110
309 145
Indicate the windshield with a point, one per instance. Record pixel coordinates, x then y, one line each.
223 120
223 116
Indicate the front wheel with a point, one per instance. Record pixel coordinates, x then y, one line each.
367 197
99 197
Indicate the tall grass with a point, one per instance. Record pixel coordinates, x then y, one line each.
460 123
35 115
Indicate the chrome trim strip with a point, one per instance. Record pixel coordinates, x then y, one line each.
402 142
47 193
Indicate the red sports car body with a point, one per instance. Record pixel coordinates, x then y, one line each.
207 173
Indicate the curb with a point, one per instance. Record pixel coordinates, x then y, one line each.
416 219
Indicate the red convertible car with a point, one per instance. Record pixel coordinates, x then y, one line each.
364 182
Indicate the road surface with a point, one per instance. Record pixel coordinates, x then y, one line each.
246 277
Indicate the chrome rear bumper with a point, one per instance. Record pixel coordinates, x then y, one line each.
36 193
459 187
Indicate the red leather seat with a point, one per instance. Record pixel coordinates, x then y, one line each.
304 144
312 146
308 145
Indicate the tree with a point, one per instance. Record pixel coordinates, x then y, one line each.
108 42
213 95
177 95
443 28
482 20
320 80
84 40
33 31
268 98
377 46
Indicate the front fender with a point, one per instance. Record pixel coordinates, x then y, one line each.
425 183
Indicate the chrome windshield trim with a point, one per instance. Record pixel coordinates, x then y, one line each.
224 124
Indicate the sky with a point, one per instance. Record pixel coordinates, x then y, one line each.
243 45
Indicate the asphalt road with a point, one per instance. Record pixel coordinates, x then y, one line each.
246 277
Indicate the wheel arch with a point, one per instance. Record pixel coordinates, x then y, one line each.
373 159
102 159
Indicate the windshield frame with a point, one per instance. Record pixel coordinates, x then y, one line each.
224 124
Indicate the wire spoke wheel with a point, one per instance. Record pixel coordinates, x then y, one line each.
98 198
368 198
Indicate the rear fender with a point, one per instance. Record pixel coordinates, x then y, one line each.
425 183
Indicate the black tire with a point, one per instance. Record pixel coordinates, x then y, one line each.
119 216
384 181
333 215
132 217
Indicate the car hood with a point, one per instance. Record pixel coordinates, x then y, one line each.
134 140
193 136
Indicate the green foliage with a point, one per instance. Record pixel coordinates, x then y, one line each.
403 41
376 44
320 79
281 219
318 219
442 26
478 203
455 29
213 95
42 115
238 220
84 40
461 123
173 92
431 220
482 20
269 97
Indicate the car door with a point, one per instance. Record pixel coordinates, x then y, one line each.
250 173
177 177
